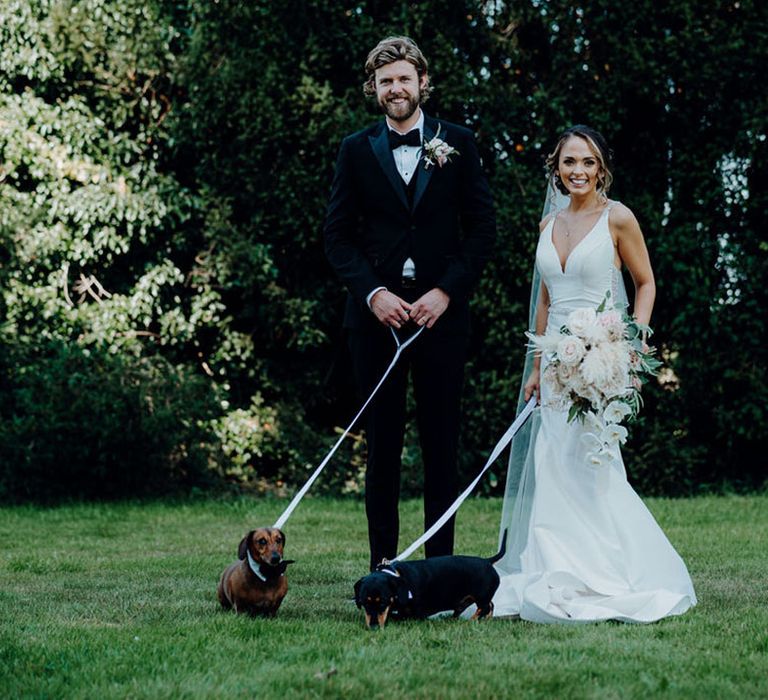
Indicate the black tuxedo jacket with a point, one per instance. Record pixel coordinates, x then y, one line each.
370 229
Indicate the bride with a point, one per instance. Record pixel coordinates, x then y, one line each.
582 545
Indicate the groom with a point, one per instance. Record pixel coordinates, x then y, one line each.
409 226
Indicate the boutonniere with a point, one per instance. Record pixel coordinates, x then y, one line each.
437 151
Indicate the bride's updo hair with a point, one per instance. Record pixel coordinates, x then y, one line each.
599 147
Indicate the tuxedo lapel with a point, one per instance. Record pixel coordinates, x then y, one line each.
425 174
383 153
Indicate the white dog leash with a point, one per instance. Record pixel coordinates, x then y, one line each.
292 505
500 445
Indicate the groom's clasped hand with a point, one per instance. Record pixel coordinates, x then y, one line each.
393 311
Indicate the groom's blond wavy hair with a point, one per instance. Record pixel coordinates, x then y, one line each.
389 50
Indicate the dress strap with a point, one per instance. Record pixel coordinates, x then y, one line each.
556 212
606 213
551 216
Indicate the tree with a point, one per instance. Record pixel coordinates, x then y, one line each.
166 167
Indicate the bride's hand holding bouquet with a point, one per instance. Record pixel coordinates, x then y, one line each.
532 385
596 366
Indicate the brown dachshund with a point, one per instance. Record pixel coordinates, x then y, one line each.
256 584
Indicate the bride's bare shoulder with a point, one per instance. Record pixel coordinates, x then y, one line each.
621 217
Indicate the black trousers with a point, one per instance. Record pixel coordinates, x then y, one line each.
435 361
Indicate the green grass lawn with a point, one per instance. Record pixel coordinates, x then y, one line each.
119 601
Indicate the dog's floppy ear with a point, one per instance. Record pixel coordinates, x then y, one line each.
282 534
242 549
358 583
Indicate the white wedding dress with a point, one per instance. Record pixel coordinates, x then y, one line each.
583 545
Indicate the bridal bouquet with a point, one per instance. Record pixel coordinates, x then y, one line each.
598 362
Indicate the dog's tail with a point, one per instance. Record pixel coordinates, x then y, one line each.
502 551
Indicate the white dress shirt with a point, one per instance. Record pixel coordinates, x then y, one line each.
406 162
407 157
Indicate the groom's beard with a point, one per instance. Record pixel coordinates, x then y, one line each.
402 111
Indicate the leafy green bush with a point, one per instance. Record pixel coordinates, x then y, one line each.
105 253
87 423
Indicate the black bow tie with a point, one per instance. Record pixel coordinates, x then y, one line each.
396 140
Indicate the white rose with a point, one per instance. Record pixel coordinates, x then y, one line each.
580 319
613 322
609 318
570 350
616 411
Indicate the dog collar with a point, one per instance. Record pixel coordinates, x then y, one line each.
393 572
255 568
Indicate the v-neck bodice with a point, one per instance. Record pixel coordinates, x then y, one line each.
589 270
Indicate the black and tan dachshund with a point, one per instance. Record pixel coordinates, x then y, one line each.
256 584
422 588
